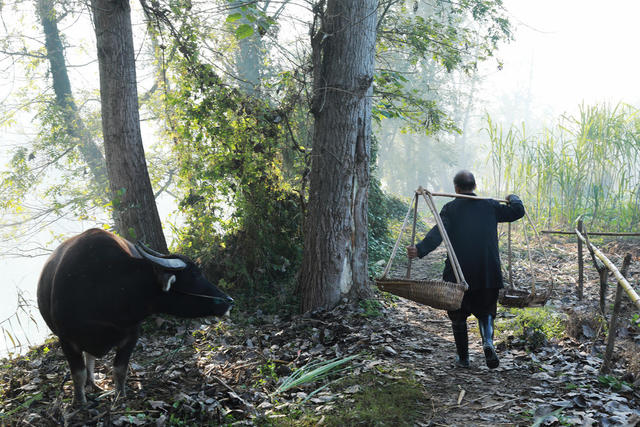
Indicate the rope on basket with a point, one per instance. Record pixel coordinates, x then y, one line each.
535 232
428 197
413 233
443 233
395 247
531 269
457 270
544 253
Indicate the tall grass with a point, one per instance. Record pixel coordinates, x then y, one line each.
14 330
588 164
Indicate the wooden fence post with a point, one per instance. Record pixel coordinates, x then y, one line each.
613 323
580 263
603 273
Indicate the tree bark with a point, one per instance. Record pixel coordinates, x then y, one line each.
335 252
64 98
135 211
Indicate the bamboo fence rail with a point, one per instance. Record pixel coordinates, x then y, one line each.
595 233
619 277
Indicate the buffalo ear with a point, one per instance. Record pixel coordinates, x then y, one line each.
170 281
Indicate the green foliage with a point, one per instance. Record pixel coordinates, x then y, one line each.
266 372
55 168
27 401
555 415
242 200
248 19
614 383
635 320
314 371
533 326
419 39
425 83
371 308
50 177
586 165
383 211
384 397
394 399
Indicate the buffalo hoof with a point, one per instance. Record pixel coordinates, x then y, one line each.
93 387
79 402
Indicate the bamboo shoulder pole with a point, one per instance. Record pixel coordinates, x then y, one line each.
465 196
619 277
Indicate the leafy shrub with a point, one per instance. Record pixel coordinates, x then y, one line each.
242 188
532 327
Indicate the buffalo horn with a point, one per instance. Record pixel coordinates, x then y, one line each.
168 263
148 250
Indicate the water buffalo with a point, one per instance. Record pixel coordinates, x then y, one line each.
96 288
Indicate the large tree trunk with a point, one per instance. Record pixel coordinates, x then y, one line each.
135 211
335 253
64 98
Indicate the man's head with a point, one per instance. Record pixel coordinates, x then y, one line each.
464 182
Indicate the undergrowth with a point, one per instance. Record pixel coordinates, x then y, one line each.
384 211
531 327
374 398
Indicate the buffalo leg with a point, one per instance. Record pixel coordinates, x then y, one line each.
78 371
90 361
121 363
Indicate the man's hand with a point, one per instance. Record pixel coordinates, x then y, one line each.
412 252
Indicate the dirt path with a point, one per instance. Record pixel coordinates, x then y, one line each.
218 373
561 378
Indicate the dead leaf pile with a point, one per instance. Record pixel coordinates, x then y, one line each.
201 372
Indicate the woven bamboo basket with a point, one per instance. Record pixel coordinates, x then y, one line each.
434 293
519 298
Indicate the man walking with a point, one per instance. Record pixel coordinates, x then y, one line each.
471 225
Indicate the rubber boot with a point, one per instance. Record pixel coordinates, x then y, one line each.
462 343
485 325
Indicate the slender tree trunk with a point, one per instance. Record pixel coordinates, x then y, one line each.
249 57
136 214
335 253
64 98
250 54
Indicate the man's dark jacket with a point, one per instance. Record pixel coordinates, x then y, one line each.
472 229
